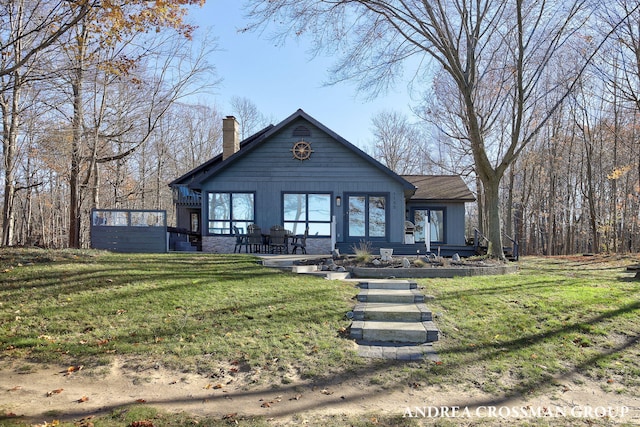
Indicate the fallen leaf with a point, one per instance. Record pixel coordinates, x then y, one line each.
85 422
610 381
16 388
72 369
143 423
266 405
141 401
56 391
103 342
325 391
83 399
208 386
230 416
10 415
296 397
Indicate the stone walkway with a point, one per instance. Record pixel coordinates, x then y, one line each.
397 351
391 321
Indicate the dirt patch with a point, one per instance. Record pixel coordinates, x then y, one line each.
45 394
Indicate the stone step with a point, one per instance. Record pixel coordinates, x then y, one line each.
394 332
304 268
390 296
392 312
388 284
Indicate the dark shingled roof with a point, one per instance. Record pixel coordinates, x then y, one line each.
440 187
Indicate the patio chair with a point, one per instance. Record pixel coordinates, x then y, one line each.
254 238
241 240
278 240
300 241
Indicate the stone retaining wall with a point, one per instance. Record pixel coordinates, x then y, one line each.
430 272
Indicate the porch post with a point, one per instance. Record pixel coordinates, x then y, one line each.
427 233
333 232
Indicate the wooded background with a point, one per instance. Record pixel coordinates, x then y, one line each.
98 111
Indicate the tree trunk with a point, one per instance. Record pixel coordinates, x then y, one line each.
480 201
76 141
8 214
11 125
591 200
494 221
509 219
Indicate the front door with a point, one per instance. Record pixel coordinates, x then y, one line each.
195 222
366 217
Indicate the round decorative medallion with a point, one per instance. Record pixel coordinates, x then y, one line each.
301 150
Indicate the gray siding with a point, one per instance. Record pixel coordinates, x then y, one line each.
129 239
125 235
270 169
455 224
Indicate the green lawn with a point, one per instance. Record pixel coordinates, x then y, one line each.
194 312
186 311
557 315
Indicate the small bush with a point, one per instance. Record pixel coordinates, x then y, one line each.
362 251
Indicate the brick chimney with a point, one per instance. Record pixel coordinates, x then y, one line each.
230 138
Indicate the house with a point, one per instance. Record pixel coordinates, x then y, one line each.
300 174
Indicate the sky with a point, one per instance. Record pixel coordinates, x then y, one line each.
281 79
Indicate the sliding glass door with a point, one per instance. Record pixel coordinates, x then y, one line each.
435 218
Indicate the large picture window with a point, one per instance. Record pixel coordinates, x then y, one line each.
307 210
367 216
227 210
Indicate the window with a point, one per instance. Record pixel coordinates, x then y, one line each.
147 219
307 210
367 216
230 209
128 218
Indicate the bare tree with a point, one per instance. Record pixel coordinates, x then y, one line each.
501 59
400 145
35 26
249 117
101 33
